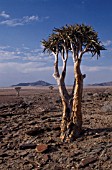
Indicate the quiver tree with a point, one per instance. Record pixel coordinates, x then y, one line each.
51 88
18 90
78 40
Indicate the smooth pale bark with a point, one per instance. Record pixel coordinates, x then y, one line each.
66 114
71 124
76 119
67 109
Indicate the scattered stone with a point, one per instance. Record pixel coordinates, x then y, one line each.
89 94
41 148
96 135
104 158
96 151
95 95
87 161
3 154
76 153
109 145
35 131
28 146
107 107
56 127
87 168
24 153
21 131
3 106
45 159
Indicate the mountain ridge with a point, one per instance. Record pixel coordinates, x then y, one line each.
101 84
37 83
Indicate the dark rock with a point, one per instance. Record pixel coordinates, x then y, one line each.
32 123
6 115
51 140
89 94
96 135
44 117
35 131
28 146
87 161
3 155
1 132
58 101
3 106
56 127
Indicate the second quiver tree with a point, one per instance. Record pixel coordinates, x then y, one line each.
78 40
18 90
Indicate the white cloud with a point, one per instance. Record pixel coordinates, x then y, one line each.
107 43
6 53
28 67
33 18
4 47
4 15
13 22
94 74
19 22
44 18
23 54
96 68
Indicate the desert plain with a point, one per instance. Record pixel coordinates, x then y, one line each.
30 131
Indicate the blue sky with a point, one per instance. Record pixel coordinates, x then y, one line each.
24 23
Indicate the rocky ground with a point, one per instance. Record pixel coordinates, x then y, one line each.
30 130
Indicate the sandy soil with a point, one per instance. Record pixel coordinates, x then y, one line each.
30 130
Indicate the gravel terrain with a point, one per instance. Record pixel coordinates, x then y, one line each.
30 130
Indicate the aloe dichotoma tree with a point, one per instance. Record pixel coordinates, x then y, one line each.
78 40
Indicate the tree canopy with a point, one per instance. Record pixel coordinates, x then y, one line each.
76 38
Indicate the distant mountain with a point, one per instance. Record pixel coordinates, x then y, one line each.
37 83
102 84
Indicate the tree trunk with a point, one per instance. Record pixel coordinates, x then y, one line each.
71 125
75 125
17 93
66 114
65 119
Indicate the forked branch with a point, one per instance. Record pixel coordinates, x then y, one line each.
56 74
